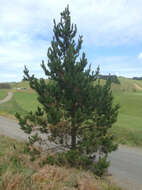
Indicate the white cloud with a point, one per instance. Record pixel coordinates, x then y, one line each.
103 22
140 56
119 65
26 27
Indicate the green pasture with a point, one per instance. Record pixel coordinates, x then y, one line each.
22 102
23 84
128 128
3 94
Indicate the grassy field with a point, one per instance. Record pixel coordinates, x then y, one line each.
21 102
127 130
3 94
17 172
23 84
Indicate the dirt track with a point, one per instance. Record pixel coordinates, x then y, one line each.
7 98
138 87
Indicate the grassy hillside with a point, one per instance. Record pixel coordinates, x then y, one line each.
127 85
128 129
17 172
3 94
23 84
21 102
128 94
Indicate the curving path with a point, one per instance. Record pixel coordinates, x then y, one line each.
137 86
126 163
7 98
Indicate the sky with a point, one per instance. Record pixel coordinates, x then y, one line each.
111 29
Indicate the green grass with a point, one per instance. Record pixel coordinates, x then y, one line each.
126 85
22 102
3 94
128 129
23 84
26 100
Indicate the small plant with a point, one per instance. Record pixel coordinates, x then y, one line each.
101 166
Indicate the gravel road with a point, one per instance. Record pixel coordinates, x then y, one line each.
126 163
10 128
126 167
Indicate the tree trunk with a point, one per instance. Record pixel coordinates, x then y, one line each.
73 138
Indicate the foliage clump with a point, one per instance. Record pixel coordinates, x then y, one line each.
76 111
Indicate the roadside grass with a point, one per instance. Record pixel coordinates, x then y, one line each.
17 172
128 128
3 94
129 137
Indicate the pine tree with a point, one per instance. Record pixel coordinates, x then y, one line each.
75 111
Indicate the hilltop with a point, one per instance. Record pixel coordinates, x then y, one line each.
126 84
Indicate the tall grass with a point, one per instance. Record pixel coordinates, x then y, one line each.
17 172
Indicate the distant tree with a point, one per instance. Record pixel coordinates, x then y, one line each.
113 78
76 112
5 86
137 78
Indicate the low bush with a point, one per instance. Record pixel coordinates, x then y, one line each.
74 159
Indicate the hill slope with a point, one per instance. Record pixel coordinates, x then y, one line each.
128 129
128 94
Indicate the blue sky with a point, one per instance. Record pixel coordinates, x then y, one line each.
111 29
